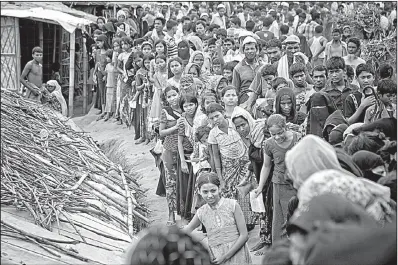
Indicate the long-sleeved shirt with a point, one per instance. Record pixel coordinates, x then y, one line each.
310 29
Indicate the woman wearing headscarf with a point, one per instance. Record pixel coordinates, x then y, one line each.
184 51
217 84
335 119
55 90
122 17
371 164
195 43
109 31
204 62
320 106
285 104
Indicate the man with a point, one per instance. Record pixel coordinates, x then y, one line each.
142 24
265 33
338 88
172 49
302 89
274 28
245 71
245 16
301 24
250 25
235 23
357 102
284 30
319 76
335 47
353 45
274 50
32 75
157 33
310 27
317 46
228 50
219 18
256 19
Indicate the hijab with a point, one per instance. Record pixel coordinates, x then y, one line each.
286 92
335 119
301 163
215 81
372 197
319 107
58 94
184 51
241 112
367 161
196 42
189 66
206 63
336 135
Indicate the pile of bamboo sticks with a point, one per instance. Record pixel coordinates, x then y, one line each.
49 169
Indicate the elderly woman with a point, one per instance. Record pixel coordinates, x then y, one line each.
55 91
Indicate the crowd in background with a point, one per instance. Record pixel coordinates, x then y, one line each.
267 103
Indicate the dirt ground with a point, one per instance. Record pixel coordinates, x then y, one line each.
140 156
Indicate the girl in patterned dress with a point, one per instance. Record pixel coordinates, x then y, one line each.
224 222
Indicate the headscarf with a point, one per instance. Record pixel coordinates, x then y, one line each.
329 207
189 66
347 163
367 161
241 112
184 54
196 41
121 13
286 92
372 197
319 107
349 131
206 63
258 133
215 80
335 119
188 79
310 155
58 94
336 135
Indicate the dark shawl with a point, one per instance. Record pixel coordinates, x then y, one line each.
386 125
367 161
336 136
294 114
347 163
335 119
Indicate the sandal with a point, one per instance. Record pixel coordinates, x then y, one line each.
258 246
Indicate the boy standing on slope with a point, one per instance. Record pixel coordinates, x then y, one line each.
32 75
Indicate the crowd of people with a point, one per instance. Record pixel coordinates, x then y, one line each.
266 103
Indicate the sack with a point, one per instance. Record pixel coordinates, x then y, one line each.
257 203
158 149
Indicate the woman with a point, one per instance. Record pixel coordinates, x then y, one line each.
274 151
168 130
285 104
252 134
160 49
175 72
159 84
186 141
122 17
184 51
192 69
101 22
230 157
371 164
320 106
200 59
99 71
224 222
55 90
218 83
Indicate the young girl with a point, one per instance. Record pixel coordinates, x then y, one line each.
160 49
168 130
175 72
99 71
159 84
275 149
230 99
230 157
110 70
224 222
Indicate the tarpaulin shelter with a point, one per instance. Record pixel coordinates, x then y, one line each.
59 23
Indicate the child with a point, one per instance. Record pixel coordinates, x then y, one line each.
200 158
32 75
110 104
386 107
224 222
227 72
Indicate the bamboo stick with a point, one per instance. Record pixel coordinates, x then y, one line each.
41 41
85 73
129 204
18 53
55 43
71 72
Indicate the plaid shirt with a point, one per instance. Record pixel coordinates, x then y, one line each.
310 29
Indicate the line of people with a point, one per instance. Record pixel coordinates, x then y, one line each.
236 115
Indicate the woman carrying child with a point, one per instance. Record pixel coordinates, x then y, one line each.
224 222
168 131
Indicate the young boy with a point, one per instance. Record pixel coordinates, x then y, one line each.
110 79
227 72
302 89
386 107
357 102
32 75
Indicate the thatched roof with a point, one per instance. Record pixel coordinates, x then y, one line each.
105 4
56 6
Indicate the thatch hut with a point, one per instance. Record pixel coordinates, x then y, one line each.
54 27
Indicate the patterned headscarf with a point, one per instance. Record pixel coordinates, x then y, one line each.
167 245
372 197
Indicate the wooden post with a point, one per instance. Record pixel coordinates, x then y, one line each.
85 64
71 72
114 10
18 52
41 35
55 43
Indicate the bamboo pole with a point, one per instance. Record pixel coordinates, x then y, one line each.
41 42
55 43
114 10
85 64
18 52
71 71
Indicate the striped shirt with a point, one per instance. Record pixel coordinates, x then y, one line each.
171 46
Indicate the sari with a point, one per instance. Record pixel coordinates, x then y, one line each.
58 94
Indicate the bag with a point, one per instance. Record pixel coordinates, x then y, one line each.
257 203
158 149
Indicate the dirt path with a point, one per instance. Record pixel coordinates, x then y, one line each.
139 156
